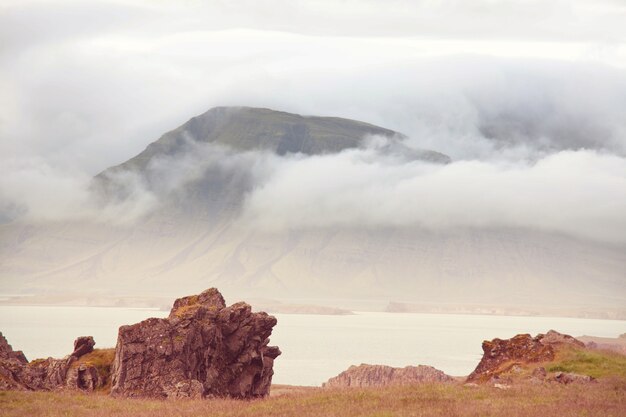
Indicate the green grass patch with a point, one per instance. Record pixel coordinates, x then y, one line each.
597 364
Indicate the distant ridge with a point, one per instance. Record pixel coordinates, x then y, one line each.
251 128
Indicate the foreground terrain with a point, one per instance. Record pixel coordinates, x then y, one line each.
605 398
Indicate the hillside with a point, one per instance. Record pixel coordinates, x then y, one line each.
196 179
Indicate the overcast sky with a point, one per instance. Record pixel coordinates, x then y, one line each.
88 84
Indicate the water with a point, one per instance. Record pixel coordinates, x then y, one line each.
314 347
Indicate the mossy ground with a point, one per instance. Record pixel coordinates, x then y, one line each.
595 363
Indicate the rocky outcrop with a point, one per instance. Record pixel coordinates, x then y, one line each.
202 349
380 375
11 362
7 352
16 373
502 355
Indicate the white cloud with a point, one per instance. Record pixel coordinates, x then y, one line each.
513 90
580 193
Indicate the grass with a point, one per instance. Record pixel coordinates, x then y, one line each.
606 398
595 363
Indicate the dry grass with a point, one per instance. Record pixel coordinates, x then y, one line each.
606 398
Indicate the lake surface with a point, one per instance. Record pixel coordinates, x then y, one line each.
314 347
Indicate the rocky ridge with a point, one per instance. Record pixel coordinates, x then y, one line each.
16 373
502 356
202 349
380 375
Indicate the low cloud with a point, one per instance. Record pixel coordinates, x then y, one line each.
531 113
581 193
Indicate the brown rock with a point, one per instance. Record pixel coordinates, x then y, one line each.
202 349
380 375
569 378
7 352
84 377
502 355
540 373
16 373
82 346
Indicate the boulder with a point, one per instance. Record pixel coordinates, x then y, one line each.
502 355
380 375
84 377
82 346
202 349
538 375
569 378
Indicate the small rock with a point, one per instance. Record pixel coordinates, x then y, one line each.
539 372
569 378
82 346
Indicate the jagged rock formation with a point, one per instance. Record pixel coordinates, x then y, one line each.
202 349
502 355
7 352
82 346
380 375
16 373
11 362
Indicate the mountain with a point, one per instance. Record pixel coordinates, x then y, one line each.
195 180
206 141
248 128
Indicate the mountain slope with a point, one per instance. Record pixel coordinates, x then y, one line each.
204 167
201 173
